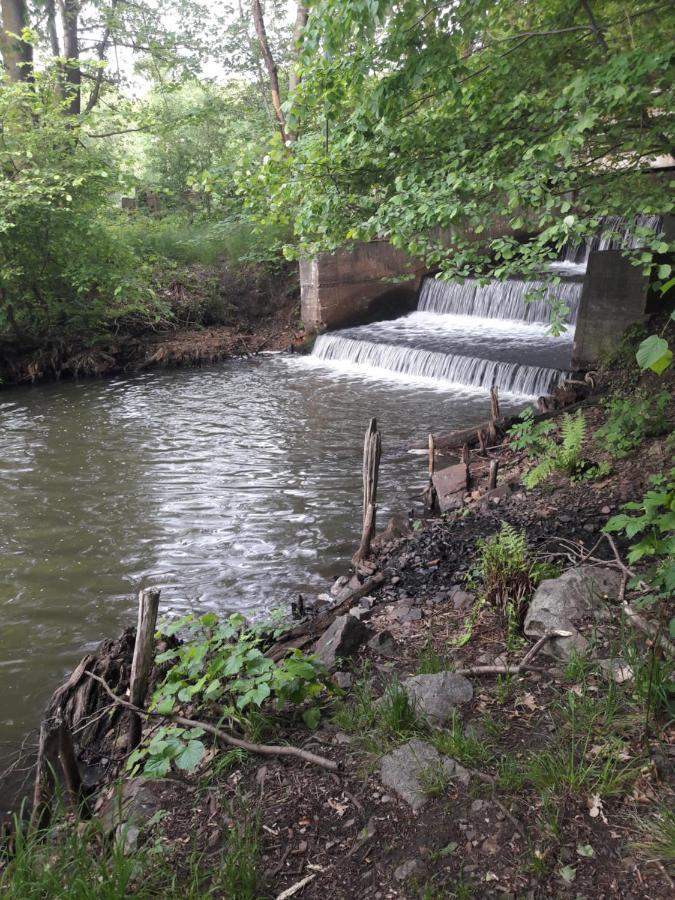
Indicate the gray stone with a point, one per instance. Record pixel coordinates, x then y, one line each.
406 869
402 770
344 636
451 485
384 644
437 696
361 613
462 601
567 603
343 680
409 615
616 669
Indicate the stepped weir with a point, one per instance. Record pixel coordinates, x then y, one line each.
452 333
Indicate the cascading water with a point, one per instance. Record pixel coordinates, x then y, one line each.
615 233
464 334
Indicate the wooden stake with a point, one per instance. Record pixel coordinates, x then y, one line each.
372 452
494 402
56 754
148 605
494 469
481 442
432 459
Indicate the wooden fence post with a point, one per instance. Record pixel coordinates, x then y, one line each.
148 605
372 451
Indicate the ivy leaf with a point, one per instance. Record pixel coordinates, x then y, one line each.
191 755
585 850
157 767
654 353
568 874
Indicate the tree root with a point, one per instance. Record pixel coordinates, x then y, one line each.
224 736
525 665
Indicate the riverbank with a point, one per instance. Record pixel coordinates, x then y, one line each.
257 321
562 774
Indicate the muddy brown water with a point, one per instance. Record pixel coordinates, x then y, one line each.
232 488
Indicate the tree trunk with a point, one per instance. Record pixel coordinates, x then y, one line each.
17 55
270 65
70 10
301 17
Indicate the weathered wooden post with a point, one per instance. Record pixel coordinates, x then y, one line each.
148 606
481 442
494 468
56 755
429 497
494 403
372 451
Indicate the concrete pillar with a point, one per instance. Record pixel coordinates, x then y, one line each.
368 281
613 297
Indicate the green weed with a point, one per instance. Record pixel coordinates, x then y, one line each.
563 457
657 836
467 749
629 420
431 661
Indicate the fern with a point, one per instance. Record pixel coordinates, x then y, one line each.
563 457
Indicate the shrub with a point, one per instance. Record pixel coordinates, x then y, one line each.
530 436
630 420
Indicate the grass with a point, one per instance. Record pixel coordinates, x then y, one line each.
379 724
466 749
431 662
656 839
77 861
434 780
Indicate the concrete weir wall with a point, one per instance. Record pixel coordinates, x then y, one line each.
368 281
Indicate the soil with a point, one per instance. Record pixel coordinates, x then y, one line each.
346 836
272 323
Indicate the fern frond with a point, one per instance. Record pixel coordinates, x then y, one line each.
540 473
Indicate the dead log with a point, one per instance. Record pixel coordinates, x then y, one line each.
372 452
148 606
56 770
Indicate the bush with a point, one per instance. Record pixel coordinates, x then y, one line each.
629 420
563 457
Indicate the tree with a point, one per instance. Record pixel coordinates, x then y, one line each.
507 130
17 51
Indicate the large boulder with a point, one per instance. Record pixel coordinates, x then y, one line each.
344 636
437 696
403 770
574 602
451 484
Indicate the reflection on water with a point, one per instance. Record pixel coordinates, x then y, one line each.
232 487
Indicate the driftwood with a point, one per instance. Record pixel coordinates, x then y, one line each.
148 606
453 440
372 451
429 496
56 766
224 736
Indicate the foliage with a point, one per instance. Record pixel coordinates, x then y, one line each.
629 420
653 521
507 569
220 666
528 435
563 457
482 124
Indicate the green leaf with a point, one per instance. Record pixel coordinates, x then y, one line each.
190 757
312 717
585 850
568 874
653 353
157 767
664 271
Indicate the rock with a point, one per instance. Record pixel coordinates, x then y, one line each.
397 527
410 615
342 680
616 669
437 696
462 601
406 869
451 485
496 495
566 603
339 585
361 613
402 769
384 644
344 636
129 835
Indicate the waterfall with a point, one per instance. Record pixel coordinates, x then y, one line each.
511 377
499 299
616 233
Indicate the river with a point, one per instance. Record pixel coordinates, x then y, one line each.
232 487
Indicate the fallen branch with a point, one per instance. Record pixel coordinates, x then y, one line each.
224 736
525 665
295 888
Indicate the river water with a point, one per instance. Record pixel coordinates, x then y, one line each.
232 488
